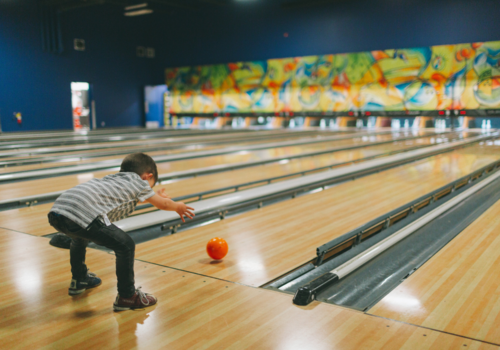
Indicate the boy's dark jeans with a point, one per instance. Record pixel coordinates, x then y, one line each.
108 236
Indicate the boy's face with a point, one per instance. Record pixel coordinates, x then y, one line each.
149 178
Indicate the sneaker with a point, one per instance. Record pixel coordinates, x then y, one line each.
78 287
139 300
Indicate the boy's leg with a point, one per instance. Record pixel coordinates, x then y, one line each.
115 239
78 245
81 279
124 247
77 252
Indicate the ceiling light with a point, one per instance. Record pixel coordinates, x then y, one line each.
138 13
133 7
79 86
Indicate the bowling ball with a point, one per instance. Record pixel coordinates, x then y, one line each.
217 248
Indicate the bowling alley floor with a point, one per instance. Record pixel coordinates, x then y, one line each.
193 312
207 305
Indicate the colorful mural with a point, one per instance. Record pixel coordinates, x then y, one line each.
464 76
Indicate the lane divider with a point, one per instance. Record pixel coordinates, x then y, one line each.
305 295
289 187
115 164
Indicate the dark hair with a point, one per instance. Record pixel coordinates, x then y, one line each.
139 163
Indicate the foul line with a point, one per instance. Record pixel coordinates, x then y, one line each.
194 273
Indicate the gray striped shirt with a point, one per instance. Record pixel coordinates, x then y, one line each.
114 196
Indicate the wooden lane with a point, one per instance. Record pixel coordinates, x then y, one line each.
183 187
171 140
248 139
266 243
33 220
65 134
457 290
27 188
118 138
186 149
77 161
150 149
194 312
194 145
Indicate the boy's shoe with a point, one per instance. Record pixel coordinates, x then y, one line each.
78 287
139 300
60 241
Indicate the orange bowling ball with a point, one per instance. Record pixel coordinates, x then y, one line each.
217 248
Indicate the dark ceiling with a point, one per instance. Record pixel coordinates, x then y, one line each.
190 5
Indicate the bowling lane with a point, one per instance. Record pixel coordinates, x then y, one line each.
193 312
31 147
268 242
117 142
65 160
457 290
73 158
183 187
40 135
27 188
33 220
82 139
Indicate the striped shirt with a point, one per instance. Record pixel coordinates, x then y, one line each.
113 197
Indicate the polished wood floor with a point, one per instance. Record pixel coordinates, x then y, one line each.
457 290
27 188
33 220
266 243
136 145
193 312
202 147
452 302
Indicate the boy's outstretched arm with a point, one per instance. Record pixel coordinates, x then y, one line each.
164 203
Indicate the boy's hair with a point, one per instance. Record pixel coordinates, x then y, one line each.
139 163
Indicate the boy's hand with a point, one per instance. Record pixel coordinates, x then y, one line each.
161 193
183 210
163 202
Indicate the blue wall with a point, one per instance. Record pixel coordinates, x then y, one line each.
253 30
38 83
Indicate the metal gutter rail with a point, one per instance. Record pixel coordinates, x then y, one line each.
163 143
114 164
47 197
90 138
96 132
346 246
305 295
217 206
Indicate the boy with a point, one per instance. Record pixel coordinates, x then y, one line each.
86 211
